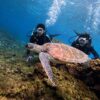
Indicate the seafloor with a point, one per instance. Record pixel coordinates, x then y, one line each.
21 81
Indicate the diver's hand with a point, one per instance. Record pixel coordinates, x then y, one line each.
29 59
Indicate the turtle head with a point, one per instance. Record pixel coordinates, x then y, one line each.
30 46
33 47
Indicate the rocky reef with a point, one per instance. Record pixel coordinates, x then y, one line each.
19 81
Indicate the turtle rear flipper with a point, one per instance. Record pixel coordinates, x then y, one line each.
44 58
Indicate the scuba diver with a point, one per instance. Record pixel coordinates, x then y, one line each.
83 43
39 37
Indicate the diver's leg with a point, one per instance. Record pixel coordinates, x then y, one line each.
27 52
29 58
44 58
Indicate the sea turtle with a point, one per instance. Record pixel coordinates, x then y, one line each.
57 53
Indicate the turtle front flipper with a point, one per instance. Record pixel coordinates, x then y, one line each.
44 58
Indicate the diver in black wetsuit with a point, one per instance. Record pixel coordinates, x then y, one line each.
83 43
39 37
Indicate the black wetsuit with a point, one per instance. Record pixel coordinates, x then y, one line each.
39 39
88 49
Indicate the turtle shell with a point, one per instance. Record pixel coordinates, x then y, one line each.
65 53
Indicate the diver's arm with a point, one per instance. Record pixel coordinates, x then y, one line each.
33 39
95 54
75 44
46 39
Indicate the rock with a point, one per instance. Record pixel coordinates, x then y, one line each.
30 83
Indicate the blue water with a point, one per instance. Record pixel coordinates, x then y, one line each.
19 17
